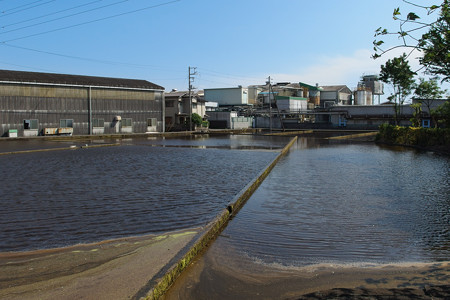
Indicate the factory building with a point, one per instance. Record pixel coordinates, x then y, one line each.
34 104
335 95
237 96
368 87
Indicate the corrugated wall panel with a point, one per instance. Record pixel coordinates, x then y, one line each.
51 104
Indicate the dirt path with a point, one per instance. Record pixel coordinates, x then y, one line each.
119 269
220 274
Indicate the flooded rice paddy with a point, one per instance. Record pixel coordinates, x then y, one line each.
333 202
61 198
326 201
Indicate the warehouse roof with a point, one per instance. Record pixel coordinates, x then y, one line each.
181 94
52 78
336 88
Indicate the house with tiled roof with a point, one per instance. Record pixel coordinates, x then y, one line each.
179 106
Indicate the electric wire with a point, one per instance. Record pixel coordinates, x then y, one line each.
107 62
94 21
226 84
64 17
50 14
28 67
226 75
23 9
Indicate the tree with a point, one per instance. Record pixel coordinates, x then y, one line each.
428 89
432 38
436 45
196 119
398 73
426 92
415 120
443 114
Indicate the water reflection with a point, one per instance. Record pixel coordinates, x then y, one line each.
340 202
59 198
238 142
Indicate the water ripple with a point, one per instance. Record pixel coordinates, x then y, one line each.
53 199
348 203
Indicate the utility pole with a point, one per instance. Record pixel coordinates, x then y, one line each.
270 104
192 72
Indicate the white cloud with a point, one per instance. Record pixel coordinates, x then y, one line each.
336 70
325 70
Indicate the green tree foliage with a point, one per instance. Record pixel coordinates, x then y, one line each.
399 75
415 120
436 45
426 92
442 113
428 89
432 38
196 119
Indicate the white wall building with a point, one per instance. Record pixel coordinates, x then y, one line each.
292 104
227 96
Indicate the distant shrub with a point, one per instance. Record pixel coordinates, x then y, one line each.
414 136
196 119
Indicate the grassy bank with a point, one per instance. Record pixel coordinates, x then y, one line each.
436 139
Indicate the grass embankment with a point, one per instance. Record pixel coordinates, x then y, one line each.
435 139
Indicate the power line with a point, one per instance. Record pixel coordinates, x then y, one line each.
226 75
19 10
201 79
50 14
26 67
93 21
91 59
68 16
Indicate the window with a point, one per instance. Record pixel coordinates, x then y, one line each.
127 122
426 123
170 103
151 122
98 122
31 124
66 123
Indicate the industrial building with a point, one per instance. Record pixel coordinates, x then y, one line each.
372 116
34 104
335 95
237 96
368 87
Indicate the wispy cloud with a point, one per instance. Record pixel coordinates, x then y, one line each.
336 70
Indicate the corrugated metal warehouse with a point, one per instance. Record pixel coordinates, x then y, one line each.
34 104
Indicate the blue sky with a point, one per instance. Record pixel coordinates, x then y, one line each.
230 42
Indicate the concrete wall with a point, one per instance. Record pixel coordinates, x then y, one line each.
222 116
367 116
241 122
264 122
